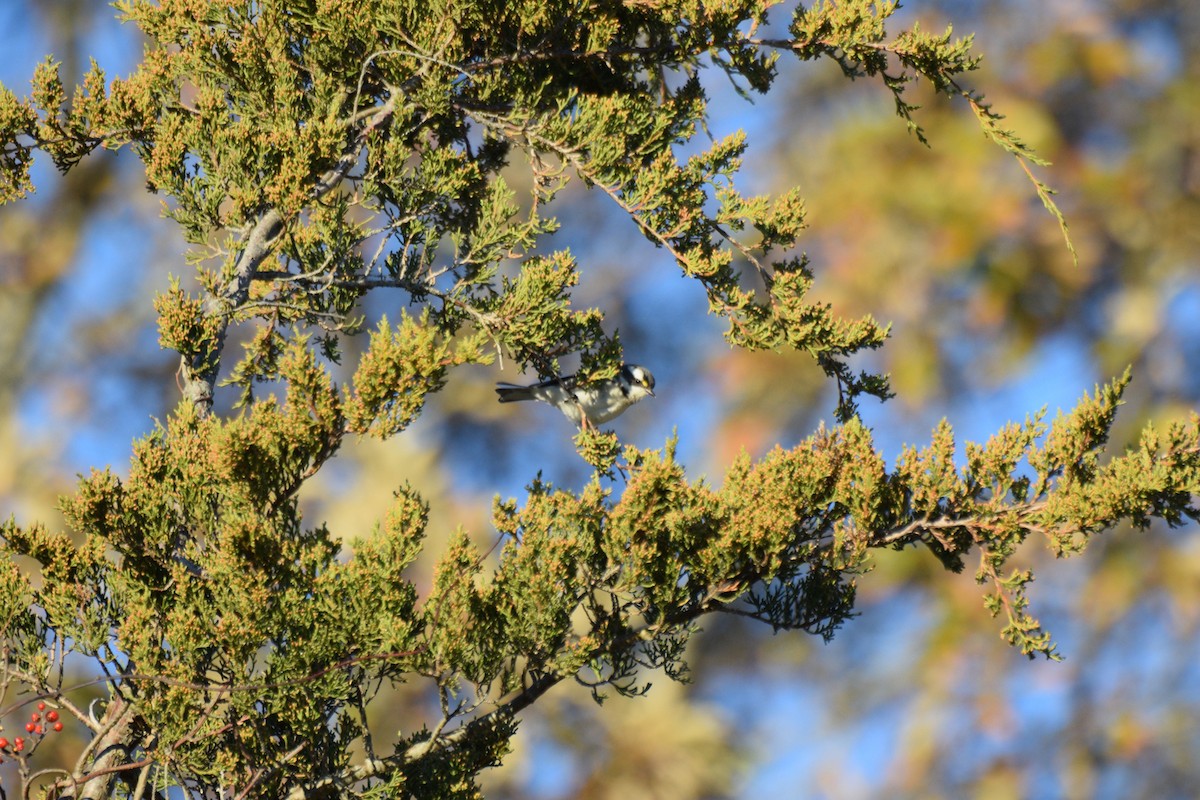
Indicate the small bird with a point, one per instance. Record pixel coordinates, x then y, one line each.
590 404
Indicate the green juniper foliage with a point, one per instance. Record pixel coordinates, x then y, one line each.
313 152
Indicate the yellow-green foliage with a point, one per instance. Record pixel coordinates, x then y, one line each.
315 153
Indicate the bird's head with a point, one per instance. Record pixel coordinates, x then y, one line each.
639 379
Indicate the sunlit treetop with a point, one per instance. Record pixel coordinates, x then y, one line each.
313 153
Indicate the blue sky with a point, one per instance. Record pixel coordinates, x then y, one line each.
111 270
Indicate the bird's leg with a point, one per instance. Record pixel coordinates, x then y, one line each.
584 423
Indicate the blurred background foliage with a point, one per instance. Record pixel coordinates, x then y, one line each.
991 319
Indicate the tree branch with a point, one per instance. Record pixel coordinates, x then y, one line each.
111 749
200 373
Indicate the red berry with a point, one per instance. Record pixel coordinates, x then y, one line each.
29 726
18 744
39 730
35 716
51 716
41 706
58 726
3 743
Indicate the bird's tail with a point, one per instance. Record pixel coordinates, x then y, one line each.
511 393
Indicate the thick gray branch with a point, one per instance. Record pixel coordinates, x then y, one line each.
382 766
200 374
111 748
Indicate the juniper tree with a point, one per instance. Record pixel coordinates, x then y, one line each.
314 156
